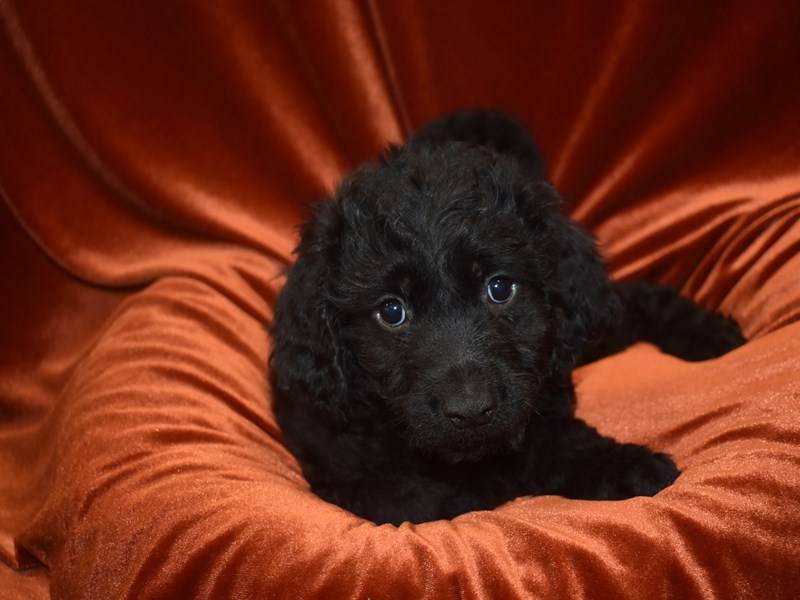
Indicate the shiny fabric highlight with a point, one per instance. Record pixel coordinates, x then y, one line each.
155 159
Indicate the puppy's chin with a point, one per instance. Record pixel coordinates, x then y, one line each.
468 455
472 450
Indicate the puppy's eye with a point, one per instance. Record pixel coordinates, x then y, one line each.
501 289
392 313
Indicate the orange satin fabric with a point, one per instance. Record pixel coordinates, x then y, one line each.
155 159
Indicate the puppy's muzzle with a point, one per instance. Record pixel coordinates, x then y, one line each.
470 402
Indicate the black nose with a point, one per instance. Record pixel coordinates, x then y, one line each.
468 413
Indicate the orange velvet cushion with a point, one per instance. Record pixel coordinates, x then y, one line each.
154 160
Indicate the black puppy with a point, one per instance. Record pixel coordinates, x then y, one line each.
424 340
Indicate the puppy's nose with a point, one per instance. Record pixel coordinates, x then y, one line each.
468 413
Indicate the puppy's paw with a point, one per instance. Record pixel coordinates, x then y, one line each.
719 336
628 470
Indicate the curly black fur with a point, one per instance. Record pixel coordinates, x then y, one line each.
406 389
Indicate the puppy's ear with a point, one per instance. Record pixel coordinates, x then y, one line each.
306 359
578 288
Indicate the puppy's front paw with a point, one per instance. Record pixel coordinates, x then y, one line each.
627 470
720 336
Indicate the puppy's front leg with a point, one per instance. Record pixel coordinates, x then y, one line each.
572 459
395 496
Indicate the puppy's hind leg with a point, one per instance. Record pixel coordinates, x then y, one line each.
679 326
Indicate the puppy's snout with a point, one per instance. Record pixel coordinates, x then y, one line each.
467 415
471 402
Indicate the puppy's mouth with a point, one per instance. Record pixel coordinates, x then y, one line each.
472 450
453 442
475 451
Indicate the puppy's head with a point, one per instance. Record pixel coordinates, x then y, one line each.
439 295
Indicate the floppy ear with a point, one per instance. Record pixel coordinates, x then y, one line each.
578 288
306 360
